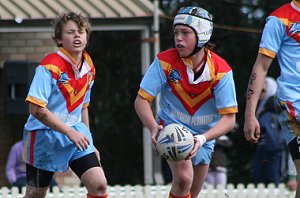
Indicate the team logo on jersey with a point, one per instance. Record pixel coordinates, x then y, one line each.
295 28
63 78
174 76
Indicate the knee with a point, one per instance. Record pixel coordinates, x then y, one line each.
98 188
102 186
183 182
95 181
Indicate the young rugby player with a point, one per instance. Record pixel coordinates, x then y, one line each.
57 134
197 91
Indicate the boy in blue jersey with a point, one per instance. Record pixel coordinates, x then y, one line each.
197 90
281 38
57 134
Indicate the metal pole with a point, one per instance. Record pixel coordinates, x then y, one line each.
156 158
156 27
147 147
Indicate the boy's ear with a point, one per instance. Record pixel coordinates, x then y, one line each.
59 41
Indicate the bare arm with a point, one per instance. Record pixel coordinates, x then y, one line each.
223 126
144 111
255 85
49 119
85 117
86 121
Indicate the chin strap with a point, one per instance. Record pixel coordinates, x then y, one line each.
197 49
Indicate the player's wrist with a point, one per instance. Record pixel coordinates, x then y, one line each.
201 139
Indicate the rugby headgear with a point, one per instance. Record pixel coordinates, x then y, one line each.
199 20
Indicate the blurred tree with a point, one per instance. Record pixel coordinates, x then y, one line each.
116 128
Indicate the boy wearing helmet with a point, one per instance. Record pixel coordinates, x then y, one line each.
192 81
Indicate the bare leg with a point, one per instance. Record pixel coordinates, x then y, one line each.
200 172
95 182
34 192
182 173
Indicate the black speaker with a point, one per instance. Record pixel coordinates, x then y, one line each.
17 79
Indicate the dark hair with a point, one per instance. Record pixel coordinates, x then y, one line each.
66 16
209 45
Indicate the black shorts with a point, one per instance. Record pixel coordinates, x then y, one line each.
294 148
42 178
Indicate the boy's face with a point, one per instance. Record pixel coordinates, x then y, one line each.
185 40
73 39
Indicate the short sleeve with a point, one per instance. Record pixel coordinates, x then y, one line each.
40 88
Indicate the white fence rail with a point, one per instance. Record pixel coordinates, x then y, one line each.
137 191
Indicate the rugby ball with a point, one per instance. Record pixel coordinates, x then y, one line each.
175 142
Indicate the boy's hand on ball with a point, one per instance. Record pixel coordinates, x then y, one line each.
199 140
175 142
195 149
154 134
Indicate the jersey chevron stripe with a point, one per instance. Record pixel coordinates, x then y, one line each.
192 96
189 100
69 88
289 26
288 16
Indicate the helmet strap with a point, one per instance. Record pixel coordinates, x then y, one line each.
197 49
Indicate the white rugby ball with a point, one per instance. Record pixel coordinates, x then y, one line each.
175 142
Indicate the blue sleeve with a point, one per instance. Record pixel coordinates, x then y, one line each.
224 92
273 34
154 78
41 87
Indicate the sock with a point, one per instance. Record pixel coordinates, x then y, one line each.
173 196
92 196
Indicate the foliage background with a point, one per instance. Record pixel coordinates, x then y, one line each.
117 130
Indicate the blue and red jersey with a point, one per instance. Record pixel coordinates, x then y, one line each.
281 38
61 87
64 90
195 103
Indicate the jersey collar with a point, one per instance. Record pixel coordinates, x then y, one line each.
296 5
